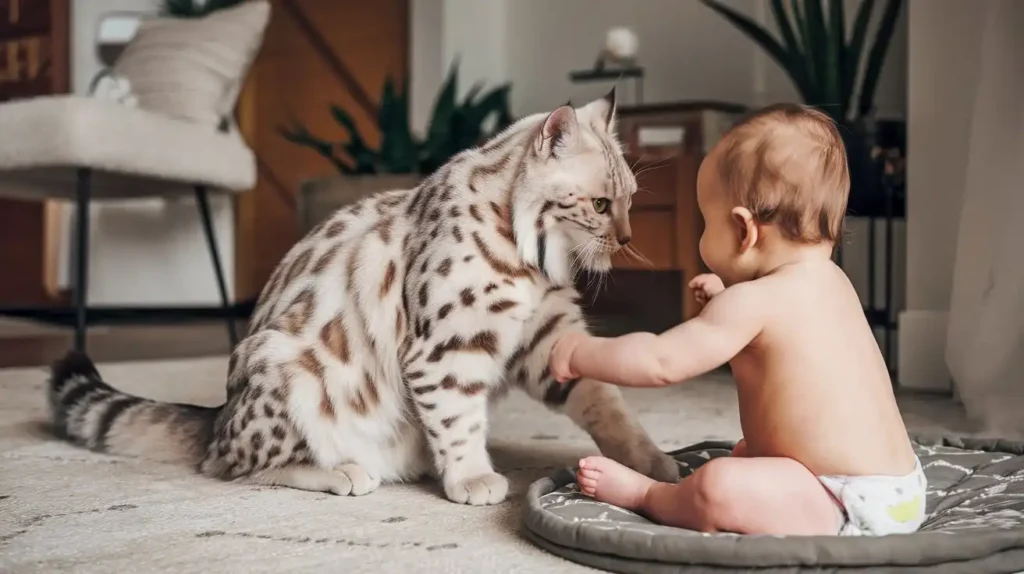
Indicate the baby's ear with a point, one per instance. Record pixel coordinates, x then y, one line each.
601 112
559 133
747 228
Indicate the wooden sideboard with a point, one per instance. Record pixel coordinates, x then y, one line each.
666 143
666 222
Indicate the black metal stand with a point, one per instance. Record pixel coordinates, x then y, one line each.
84 182
203 201
883 316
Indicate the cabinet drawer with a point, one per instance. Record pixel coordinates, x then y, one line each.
656 185
653 236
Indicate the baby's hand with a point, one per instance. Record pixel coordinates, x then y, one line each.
561 357
706 286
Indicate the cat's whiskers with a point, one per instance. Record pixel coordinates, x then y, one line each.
635 253
652 166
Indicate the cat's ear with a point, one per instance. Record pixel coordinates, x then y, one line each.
558 134
601 112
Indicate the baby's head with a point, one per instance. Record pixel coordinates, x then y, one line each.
778 180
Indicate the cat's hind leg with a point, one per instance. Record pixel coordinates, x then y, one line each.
280 418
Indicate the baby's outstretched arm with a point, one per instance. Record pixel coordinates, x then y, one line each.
728 323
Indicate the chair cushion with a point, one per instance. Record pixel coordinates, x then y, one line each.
193 69
48 137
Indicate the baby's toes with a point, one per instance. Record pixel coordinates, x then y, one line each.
587 484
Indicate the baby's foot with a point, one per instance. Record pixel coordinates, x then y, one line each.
608 481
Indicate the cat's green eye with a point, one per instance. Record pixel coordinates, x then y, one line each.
601 204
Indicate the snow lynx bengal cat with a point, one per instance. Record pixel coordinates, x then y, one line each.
382 337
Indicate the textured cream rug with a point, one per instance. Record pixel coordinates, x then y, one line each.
65 509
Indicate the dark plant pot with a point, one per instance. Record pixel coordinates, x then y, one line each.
869 197
321 197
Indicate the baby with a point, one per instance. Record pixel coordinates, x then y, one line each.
824 448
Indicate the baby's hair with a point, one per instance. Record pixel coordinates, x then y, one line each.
787 164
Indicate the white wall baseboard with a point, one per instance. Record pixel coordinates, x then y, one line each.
922 356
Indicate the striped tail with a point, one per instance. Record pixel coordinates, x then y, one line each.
88 412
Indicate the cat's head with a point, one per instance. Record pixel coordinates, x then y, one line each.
571 199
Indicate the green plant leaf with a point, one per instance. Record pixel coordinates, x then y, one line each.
855 50
355 139
300 135
398 150
836 60
816 34
798 60
455 126
798 65
364 157
876 58
493 104
439 130
800 24
471 95
758 34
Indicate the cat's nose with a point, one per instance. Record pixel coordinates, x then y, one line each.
624 239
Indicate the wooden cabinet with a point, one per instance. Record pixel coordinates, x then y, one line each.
666 143
33 62
666 222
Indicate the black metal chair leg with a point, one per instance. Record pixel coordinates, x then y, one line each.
203 201
84 182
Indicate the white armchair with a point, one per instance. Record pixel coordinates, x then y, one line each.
87 148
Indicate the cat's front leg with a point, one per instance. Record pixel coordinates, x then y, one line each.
453 412
597 407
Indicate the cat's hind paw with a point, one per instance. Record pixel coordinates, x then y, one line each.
490 488
359 482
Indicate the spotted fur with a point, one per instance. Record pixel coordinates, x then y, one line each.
382 337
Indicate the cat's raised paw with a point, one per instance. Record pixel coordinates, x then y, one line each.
490 488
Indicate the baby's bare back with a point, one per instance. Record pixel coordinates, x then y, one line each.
813 386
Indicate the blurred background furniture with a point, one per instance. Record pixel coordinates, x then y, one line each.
176 141
665 144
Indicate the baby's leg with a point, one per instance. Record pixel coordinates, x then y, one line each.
741 495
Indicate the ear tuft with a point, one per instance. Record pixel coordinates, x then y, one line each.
600 113
558 132
609 99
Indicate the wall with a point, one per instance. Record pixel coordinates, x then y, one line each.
942 81
688 51
148 252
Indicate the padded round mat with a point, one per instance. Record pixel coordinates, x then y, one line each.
975 524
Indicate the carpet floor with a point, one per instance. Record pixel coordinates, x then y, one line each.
64 509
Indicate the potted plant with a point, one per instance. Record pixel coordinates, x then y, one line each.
825 64
403 158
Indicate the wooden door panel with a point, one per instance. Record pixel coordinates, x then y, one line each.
316 53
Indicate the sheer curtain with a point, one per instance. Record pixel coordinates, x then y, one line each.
985 343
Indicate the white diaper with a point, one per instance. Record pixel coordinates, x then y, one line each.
879 505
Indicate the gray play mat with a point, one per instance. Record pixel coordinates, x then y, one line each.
975 524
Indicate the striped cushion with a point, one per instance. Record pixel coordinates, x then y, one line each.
193 69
